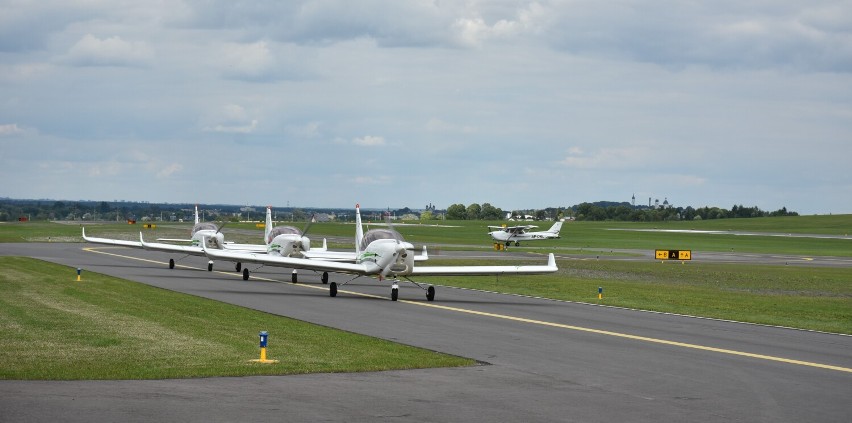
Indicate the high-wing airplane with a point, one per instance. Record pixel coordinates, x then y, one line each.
517 234
381 253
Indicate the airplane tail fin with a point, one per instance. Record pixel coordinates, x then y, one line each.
268 228
555 228
196 214
359 231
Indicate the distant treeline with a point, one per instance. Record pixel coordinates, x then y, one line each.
13 210
628 213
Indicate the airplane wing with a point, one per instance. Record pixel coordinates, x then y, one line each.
343 256
254 248
367 268
170 248
485 270
174 240
108 241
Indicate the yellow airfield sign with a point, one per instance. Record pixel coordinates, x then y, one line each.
674 254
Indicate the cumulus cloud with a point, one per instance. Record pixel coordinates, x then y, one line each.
719 34
471 29
251 62
10 129
231 118
168 170
112 51
369 141
372 180
606 158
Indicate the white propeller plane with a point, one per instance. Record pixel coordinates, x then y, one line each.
381 253
285 240
517 234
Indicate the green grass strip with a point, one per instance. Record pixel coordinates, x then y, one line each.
814 298
55 328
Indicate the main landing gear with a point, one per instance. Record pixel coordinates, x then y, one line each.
430 290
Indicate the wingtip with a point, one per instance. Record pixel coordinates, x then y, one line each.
551 260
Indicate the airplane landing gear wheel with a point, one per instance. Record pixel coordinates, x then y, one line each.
430 293
245 274
171 263
239 266
294 278
325 278
394 294
517 244
210 266
332 289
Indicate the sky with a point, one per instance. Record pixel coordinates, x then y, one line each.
520 104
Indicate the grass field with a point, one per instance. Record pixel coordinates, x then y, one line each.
52 327
575 235
808 298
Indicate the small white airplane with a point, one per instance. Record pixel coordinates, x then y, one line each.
380 253
285 240
517 234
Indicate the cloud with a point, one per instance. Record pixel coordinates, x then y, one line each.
438 125
800 36
112 51
369 141
231 118
235 129
372 180
607 158
169 170
249 62
10 129
472 30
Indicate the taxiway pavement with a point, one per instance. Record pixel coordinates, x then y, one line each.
543 360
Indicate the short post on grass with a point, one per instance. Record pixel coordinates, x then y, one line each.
264 338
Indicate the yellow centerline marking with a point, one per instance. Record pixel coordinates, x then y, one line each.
539 322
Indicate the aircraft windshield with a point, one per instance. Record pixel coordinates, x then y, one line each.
375 234
282 230
202 226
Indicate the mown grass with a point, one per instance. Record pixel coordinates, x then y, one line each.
575 235
802 297
54 328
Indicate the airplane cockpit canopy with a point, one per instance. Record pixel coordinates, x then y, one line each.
205 226
282 230
375 234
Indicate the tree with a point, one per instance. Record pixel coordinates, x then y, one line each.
474 211
427 215
456 212
490 212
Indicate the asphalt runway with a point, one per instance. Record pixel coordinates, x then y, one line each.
543 360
